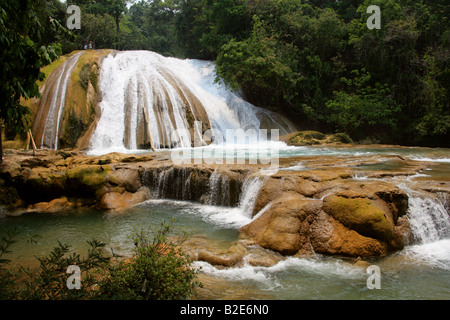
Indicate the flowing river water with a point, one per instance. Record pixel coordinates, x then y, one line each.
420 271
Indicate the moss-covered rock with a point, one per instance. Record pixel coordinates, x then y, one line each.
361 215
307 138
81 99
311 138
87 180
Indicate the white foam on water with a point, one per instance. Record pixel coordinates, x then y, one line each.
426 159
429 219
249 195
268 275
298 167
227 217
435 254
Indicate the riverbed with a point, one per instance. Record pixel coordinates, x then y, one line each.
420 271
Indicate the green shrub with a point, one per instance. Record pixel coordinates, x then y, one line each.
50 283
158 271
342 137
7 276
85 74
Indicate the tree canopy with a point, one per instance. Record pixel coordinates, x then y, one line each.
26 35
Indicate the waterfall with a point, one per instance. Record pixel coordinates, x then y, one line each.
250 191
430 224
141 104
219 190
153 101
53 103
171 183
211 188
428 217
145 101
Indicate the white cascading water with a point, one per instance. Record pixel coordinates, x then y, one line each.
225 109
145 80
50 136
250 192
429 219
430 224
219 190
137 78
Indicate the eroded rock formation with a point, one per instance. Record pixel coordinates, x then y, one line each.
321 210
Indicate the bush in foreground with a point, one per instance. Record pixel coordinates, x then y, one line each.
158 270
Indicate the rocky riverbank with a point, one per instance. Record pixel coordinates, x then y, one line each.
321 206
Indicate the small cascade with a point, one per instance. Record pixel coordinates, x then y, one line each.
428 217
215 188
250 191
52 105
191 184
170 183
219 190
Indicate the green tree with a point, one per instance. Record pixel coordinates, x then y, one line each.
158 271
410 55
100 29
363 111
433 123
191 23
117 8
288 61
157 24
205 25
263 66
23 52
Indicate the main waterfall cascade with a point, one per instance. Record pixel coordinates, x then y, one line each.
104 101
152 101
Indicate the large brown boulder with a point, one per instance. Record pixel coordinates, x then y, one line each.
330 237
355 219
283 227
116 201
